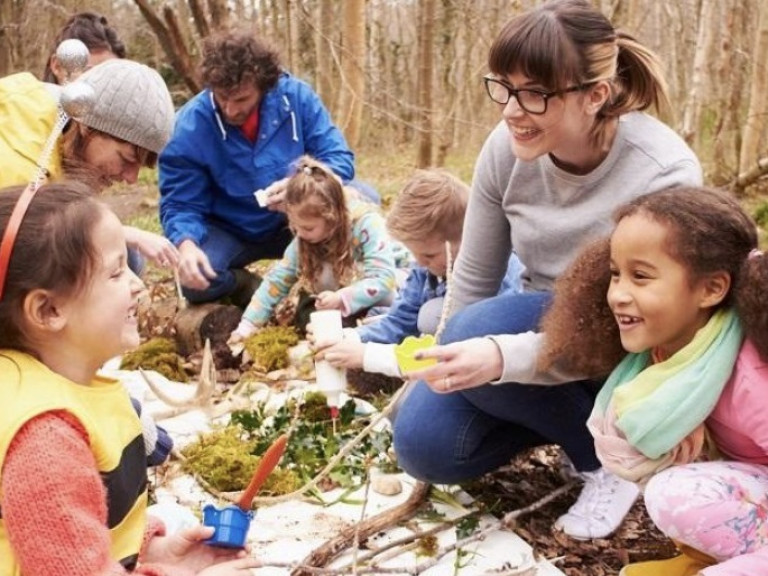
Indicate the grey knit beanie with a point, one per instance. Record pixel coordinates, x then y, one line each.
131 102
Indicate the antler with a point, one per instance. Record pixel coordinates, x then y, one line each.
206 384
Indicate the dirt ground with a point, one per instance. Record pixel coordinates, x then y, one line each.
530 477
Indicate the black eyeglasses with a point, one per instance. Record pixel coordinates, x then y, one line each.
532 101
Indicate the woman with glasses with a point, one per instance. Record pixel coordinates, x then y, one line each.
574 143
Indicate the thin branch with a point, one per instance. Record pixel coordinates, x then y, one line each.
329 550
746 179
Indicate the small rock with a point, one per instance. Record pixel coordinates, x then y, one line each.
387 485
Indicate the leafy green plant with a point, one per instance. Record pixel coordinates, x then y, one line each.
229 458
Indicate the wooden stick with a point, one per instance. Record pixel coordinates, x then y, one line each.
322 555
179 294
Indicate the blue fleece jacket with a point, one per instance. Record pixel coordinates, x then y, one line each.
209 170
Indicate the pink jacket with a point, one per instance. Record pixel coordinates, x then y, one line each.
739 422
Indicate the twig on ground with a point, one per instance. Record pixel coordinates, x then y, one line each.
332 548
329 550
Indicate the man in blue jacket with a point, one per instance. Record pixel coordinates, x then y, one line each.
238 136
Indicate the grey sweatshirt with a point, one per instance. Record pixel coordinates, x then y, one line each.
547 214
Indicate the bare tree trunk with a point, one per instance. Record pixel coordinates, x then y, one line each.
219 14
698 87
168 38
304 42
754 131
275 13
426 66
448 89
730 74
289 43
198 17
8 28
324 52
353 72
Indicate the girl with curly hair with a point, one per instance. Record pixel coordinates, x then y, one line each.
340 252
685 323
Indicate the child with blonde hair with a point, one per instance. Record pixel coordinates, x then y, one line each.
427 215
73 476
340 253
686 320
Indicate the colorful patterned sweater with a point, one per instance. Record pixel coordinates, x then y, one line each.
372 251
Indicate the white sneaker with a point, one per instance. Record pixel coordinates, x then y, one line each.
604 501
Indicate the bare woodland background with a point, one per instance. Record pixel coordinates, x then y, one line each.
406 74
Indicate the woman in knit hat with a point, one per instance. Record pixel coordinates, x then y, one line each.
128 124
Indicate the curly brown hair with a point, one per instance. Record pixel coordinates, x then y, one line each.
231 58
316 192
708 232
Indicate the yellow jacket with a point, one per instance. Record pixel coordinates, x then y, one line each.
27 114
27 389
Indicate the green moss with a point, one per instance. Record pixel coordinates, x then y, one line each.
427 546
269 347
761 215
224 458
158 354
315 407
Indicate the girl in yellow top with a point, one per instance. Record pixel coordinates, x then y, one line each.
73 431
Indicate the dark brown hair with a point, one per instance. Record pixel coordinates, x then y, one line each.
563 43
431 204
708 232
229 59
316 192
72 145
91 29
53 250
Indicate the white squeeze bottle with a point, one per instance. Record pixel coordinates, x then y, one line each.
331 381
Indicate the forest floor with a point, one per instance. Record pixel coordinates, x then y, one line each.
528 478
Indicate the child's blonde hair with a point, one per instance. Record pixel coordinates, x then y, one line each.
431 204
316 192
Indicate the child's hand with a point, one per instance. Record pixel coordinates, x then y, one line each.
314 344
310 331
244 330
345 354
232 567
328 300
186 549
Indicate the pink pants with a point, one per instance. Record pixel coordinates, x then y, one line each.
719 508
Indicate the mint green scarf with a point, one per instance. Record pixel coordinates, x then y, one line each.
658 406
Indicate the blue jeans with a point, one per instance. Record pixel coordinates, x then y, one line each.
226 251
450 438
